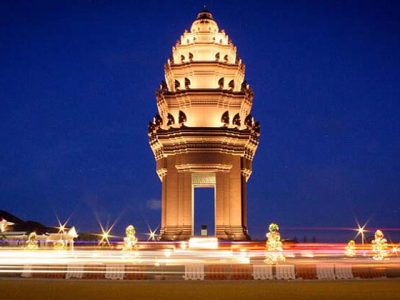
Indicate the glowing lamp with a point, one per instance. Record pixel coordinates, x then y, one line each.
203 243
167 252
72 232
183 245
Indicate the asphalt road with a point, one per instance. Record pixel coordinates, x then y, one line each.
44 289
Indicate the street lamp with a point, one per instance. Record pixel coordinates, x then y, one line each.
361 231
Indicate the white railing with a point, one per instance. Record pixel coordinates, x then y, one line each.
74 272
326 271
285 272
262 272
194 272
115 271
343 271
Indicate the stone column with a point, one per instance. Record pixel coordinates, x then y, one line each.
176 204
231 219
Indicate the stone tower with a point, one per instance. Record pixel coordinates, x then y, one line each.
203 134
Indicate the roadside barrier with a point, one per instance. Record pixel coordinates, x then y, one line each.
194 272
363 272
134 272
285 272
306 272
262 272
115 271
217 272
241 272
26 271
74 272
326 271
343 271
94 272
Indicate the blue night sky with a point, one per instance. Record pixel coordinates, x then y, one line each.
77 89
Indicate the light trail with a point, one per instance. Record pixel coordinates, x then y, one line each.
173 255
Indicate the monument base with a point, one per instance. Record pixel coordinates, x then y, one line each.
176 233
232 233
184 233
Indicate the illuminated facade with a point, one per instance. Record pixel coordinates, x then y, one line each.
203 134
